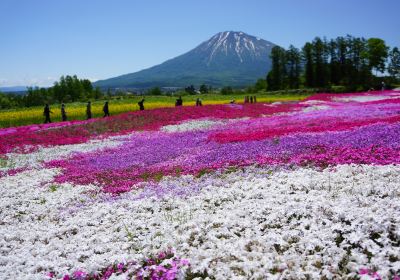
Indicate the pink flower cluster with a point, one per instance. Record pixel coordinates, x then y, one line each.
163 266
343 133
28 138
374 275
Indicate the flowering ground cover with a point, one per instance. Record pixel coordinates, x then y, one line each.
300 190
77 110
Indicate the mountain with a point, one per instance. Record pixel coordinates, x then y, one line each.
13 89
226 59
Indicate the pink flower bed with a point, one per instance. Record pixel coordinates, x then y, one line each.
344 133
29 138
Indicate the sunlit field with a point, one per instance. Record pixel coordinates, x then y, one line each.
77 111
285 190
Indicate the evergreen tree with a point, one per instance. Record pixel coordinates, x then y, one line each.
309 64
319 61
276 79
334 68
293 60
377 54
394 63
203 89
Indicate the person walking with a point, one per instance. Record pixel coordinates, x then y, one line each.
63 113
179 101
140 103
89 110
255 99
198 102
46 113
105 110
251 99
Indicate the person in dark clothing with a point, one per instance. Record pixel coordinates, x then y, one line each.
63 113
179 101
140 103
198 102
105 110
251 99
46 113
88 110
255 99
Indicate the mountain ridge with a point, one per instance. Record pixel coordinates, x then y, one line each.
230 58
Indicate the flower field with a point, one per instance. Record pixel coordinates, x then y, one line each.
77 110
306 189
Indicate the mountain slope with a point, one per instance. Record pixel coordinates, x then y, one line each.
227 58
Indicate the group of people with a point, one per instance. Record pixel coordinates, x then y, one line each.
47 111
106 111
250 99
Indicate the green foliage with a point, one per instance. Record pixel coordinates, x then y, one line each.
203 89
190 89
260 85
322 64
276 77
67 89
377 54
154 91
226 91
293 65
309 66
394 63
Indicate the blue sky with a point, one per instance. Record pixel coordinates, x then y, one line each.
40 40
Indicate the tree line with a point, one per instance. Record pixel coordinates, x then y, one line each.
67 89
350 62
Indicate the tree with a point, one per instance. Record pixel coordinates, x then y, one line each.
108 93
277 76
261 84
309 64
377 54
34 97
226 90
190 89
293 59
155 91
334 67
97 93
203 89
394 63
319 61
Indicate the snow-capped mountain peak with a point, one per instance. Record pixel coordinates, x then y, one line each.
228 58
235 43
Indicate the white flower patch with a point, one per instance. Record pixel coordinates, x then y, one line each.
192 125
364 98
247 224
316 108
44 154
313 102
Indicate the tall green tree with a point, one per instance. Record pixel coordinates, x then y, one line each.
394 63
377 54
309 64
320 63
293 65
334 66
277 76
203 89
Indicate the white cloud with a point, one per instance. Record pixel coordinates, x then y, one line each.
28 81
